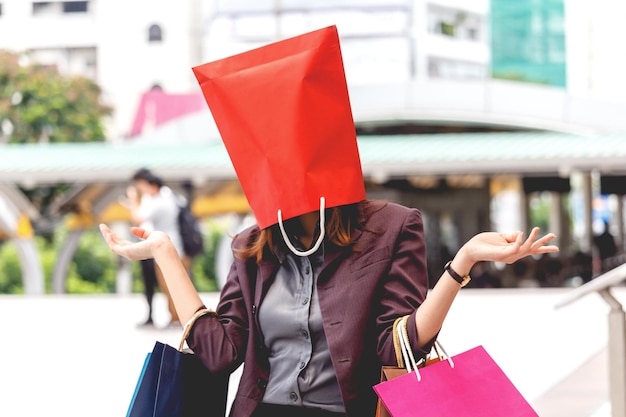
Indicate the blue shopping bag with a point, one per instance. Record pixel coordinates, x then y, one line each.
145 367
174 383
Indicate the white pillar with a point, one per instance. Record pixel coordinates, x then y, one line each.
587 240
559 221
617 355
32 273
620 223
124 278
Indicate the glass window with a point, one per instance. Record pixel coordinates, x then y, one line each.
447 29
455 23
43 7
456 70
75 6
155 34
473 34
528 41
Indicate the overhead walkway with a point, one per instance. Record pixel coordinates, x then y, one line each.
381 156
490 102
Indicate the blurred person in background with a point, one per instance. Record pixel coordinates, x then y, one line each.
154 206
607 249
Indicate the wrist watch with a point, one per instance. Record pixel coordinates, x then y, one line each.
462 280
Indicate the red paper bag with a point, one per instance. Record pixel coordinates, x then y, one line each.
475 386
284 115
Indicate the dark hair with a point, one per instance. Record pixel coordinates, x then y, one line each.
146 175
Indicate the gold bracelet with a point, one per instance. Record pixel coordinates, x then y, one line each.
188 326
396 343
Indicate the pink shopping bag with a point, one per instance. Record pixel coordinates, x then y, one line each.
474 386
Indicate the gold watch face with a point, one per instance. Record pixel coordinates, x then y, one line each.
466 280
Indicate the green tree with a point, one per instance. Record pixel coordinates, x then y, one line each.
204 274
10 271
93 268
39 104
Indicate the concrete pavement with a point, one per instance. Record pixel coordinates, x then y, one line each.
81 355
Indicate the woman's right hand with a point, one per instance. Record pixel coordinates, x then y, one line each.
134 251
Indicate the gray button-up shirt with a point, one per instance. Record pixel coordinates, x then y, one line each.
301 371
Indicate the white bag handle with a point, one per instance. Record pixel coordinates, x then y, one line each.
407 352
320 239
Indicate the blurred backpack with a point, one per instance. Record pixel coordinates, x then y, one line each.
190 232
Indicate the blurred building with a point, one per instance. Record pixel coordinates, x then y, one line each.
381 40
130 48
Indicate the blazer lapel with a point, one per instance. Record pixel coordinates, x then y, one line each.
266 272
333 254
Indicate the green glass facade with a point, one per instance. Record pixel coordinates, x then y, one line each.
528 41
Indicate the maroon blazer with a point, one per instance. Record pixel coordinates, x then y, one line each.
361 293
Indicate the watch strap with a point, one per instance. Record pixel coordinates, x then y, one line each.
462 280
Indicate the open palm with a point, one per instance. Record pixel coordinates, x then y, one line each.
507 247
133 251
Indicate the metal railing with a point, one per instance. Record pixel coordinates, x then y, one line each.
617 332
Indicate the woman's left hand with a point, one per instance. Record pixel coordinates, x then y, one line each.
507 247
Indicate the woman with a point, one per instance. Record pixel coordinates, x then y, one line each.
314 330
309 304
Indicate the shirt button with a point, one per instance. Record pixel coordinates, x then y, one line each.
305 301
302 365
307 270
305 334
293 397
